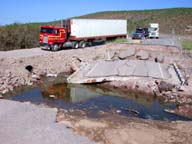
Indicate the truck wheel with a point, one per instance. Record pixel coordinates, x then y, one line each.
55 47
90 44
82 44
75 45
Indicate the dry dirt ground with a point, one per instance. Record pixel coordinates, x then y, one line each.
115 129
109 129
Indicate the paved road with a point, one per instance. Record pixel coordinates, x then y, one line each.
23 123
23 53
170 40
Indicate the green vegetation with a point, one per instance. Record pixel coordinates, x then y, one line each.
176 19
118 40
19 36
187 44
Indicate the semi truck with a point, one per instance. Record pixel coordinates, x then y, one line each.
153 30
79 33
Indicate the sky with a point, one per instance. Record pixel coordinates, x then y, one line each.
24 11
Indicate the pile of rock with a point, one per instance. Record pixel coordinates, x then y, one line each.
8 81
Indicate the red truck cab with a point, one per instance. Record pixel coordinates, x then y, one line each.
52 37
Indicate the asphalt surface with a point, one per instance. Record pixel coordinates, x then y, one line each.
164 39
25 123
23 53
170 40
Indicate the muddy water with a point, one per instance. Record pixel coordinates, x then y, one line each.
94 100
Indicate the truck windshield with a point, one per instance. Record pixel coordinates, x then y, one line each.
152 29
139 30
47 30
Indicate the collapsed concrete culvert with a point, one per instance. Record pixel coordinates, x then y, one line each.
123 70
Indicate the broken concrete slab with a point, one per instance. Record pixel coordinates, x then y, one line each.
142 55
165 71
123 70
105 68
128 53
126 70
140 69
154 70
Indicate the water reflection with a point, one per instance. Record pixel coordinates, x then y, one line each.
93 100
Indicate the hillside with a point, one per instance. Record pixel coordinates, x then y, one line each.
176 20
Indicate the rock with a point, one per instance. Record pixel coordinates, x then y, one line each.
164 86
134 112
73 67
77 58
170 96
185 110
1 96
42 72
35 76
128 53
14 80
181 88
90 124
22 81
1 81
68 124
110 55
159 59
142 55
118 111
5 91
51 75
52 96
10 87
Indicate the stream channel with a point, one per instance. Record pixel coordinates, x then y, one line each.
94 100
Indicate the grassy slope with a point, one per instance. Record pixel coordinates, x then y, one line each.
17 36
187 44
171 20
